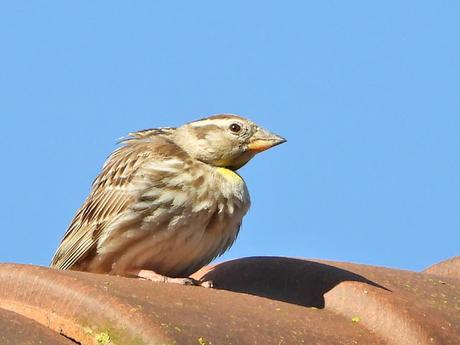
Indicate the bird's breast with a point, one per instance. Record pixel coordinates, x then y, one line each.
183 225
229 174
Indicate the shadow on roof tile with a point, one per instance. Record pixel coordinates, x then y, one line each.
288 280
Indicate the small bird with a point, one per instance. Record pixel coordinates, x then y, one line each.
167 202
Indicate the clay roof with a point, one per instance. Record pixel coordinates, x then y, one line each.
259 300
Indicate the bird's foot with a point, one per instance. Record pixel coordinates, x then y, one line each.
155 277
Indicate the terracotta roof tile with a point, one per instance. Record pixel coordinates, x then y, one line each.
262 300
449 268
16 329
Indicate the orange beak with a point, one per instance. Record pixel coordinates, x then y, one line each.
263 140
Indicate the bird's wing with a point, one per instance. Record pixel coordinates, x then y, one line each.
112 193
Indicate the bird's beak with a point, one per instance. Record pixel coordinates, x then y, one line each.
263 140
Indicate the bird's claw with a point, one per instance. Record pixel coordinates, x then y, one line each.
153 276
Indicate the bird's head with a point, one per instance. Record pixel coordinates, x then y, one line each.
226 140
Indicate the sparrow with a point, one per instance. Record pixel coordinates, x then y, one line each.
167 201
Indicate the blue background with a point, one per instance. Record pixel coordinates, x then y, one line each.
366 93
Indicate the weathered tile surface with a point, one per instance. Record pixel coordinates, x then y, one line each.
263 300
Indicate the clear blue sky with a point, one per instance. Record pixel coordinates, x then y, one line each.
367 94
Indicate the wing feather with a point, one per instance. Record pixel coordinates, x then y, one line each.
112 193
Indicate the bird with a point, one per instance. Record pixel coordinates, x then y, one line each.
167 201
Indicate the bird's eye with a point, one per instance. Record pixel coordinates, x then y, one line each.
235 128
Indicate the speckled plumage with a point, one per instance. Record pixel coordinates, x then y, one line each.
165 201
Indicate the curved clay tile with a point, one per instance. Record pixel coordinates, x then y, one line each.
262 300
448 268
16 329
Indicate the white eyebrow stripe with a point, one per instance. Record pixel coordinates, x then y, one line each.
203 123
215 122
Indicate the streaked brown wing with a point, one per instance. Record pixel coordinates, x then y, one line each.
111 194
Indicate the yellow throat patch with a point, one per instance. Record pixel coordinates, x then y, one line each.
229 174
